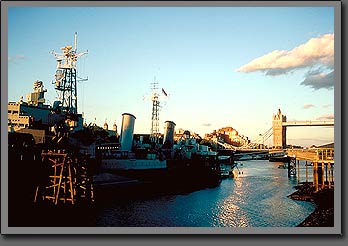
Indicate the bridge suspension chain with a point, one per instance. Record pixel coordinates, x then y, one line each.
260 140
267 134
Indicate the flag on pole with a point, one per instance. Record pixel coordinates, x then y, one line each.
164 92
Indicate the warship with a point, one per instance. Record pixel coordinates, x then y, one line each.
157 157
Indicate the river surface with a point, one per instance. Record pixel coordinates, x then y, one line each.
255 197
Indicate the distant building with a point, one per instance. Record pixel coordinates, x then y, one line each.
112 132
106 126
179 133
114 127
228 135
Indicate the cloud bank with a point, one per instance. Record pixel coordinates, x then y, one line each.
326 117
318 80
316 52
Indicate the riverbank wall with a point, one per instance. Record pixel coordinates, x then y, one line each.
323 215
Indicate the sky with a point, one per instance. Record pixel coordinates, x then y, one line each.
220 66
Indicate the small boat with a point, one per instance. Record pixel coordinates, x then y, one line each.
225 170
283 166
279 157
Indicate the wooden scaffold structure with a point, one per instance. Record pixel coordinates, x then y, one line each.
68 179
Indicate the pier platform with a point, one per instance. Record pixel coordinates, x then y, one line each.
322 161
316 155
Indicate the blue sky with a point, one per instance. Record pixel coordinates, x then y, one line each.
222 66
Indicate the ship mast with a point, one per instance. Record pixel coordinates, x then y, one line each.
155 113
66 77
155 98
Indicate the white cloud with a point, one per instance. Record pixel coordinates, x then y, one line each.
15 58
307 106
316 51
206 124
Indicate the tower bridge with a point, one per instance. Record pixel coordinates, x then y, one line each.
278 130
279 126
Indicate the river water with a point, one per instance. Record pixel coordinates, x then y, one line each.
255 197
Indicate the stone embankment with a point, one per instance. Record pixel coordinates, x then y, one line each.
323 215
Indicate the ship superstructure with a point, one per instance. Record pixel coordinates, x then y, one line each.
33 111
61 161
35 114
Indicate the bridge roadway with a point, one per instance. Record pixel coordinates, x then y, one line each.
309 123
316 155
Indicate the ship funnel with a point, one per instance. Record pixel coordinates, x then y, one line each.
127 128
169 132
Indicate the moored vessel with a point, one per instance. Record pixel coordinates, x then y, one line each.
186 161
279 157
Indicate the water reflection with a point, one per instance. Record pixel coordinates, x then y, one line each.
258 198
231 214
255 198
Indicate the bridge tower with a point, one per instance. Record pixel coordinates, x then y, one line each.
279 131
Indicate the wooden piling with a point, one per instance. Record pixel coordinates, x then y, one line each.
306 172
298 171
68 181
